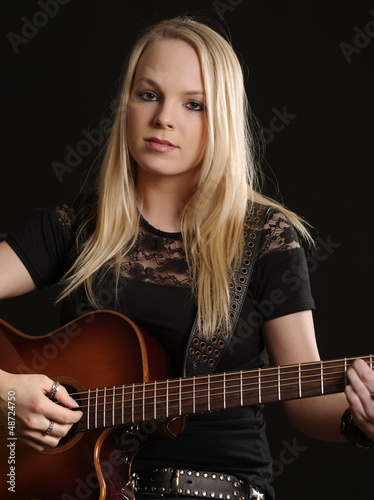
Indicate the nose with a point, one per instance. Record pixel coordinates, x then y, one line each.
164 117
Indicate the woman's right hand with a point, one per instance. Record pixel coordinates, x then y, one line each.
35 412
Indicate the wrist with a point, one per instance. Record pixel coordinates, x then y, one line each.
352 433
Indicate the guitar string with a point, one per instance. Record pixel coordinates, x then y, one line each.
134 406
148 399
311 367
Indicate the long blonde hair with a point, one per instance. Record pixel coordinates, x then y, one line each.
212 219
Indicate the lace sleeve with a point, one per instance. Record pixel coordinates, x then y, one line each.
279 235
66 217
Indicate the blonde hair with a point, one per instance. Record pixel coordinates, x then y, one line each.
212 219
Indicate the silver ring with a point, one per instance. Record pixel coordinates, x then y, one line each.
55 388
49 430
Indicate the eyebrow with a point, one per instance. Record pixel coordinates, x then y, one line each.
156 86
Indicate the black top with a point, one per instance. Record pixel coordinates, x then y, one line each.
154 291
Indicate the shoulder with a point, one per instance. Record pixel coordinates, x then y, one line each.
66 216
278 234
71 214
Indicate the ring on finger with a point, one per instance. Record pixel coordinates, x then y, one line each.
49 430
55 388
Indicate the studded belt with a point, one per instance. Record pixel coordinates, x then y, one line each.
170 481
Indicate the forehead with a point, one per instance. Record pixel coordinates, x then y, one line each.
170 62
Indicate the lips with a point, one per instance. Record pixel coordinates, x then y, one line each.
160 145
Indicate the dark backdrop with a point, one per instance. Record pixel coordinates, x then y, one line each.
309 68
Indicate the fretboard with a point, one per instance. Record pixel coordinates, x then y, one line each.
134 403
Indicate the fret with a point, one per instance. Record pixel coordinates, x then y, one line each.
259 386
88 408
104 406
371 362
279 384
97 394
155 400
167 398
123 405
322 387
241 387
143 402
224 391
300 393
180 397
133 404
345 371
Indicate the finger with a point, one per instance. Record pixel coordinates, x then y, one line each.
358 392
39 441
63 397
62 415
364 372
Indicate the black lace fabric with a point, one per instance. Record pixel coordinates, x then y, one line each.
66 217
159 258
279 235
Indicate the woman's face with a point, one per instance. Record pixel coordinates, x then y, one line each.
166 121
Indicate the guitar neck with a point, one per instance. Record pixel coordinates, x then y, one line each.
135 403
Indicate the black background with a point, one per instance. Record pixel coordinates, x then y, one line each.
63 82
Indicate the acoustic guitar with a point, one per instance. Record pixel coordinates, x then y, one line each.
119 375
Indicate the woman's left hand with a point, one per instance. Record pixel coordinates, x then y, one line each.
360 395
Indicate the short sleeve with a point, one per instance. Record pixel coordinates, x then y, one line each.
281 279
43 244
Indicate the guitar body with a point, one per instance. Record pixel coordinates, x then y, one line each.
98 349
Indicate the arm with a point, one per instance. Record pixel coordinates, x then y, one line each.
291 339
14 277
34 409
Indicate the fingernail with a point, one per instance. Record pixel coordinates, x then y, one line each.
73 402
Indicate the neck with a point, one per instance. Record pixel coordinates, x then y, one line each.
161 200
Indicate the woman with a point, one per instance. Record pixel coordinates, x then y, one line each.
164 230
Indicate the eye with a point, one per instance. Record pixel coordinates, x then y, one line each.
147 95
195 106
